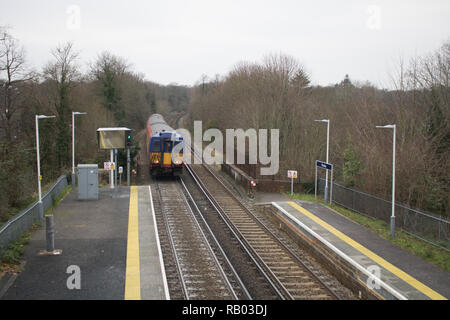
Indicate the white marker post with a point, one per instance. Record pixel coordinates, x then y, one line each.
111 172
115 167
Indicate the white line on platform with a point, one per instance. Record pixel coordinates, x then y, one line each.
161 260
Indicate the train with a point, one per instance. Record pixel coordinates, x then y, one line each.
161 140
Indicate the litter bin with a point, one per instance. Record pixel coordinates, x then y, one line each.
87 182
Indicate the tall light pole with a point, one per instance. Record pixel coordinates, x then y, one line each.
392 126
328 150
73 145
41 209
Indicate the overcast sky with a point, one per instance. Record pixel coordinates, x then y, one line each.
178 41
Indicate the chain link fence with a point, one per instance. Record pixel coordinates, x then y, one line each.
423 225
22 222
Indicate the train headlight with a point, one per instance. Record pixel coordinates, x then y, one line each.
177 162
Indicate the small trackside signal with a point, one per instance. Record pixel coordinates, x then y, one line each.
128 138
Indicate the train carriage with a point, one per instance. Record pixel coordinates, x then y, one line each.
164 147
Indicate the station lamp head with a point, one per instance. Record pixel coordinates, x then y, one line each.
389 126
45 117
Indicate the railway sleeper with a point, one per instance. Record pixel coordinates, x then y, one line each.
315 297
303 286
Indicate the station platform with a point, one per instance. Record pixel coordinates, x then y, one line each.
400 274
112 241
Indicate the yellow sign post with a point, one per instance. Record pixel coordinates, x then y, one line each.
293 175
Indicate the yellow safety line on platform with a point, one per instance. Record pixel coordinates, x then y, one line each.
133 277
399 273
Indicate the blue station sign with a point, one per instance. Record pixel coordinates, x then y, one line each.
324 165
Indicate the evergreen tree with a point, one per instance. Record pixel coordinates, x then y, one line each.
437 128
352 165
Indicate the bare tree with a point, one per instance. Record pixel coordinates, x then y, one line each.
13 73
62 75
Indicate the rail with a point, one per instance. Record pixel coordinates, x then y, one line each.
259 263
199 279
241 284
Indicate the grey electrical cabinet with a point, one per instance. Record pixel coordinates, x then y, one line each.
87 182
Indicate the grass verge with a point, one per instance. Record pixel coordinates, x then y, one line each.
422 249
57 199
11 259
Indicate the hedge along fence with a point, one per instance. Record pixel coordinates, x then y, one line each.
23 221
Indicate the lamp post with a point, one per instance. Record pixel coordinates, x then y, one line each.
392 126
41 209
328 149
73 146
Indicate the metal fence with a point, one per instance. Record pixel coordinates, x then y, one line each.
22 222
423 225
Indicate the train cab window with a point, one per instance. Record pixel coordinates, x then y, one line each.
167 146
156 145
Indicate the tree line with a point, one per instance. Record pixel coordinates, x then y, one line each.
111 93
277 93
274 93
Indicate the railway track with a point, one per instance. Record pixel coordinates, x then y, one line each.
194 269
289 277
254 260
257 287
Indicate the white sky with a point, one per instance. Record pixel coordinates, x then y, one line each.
178 41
